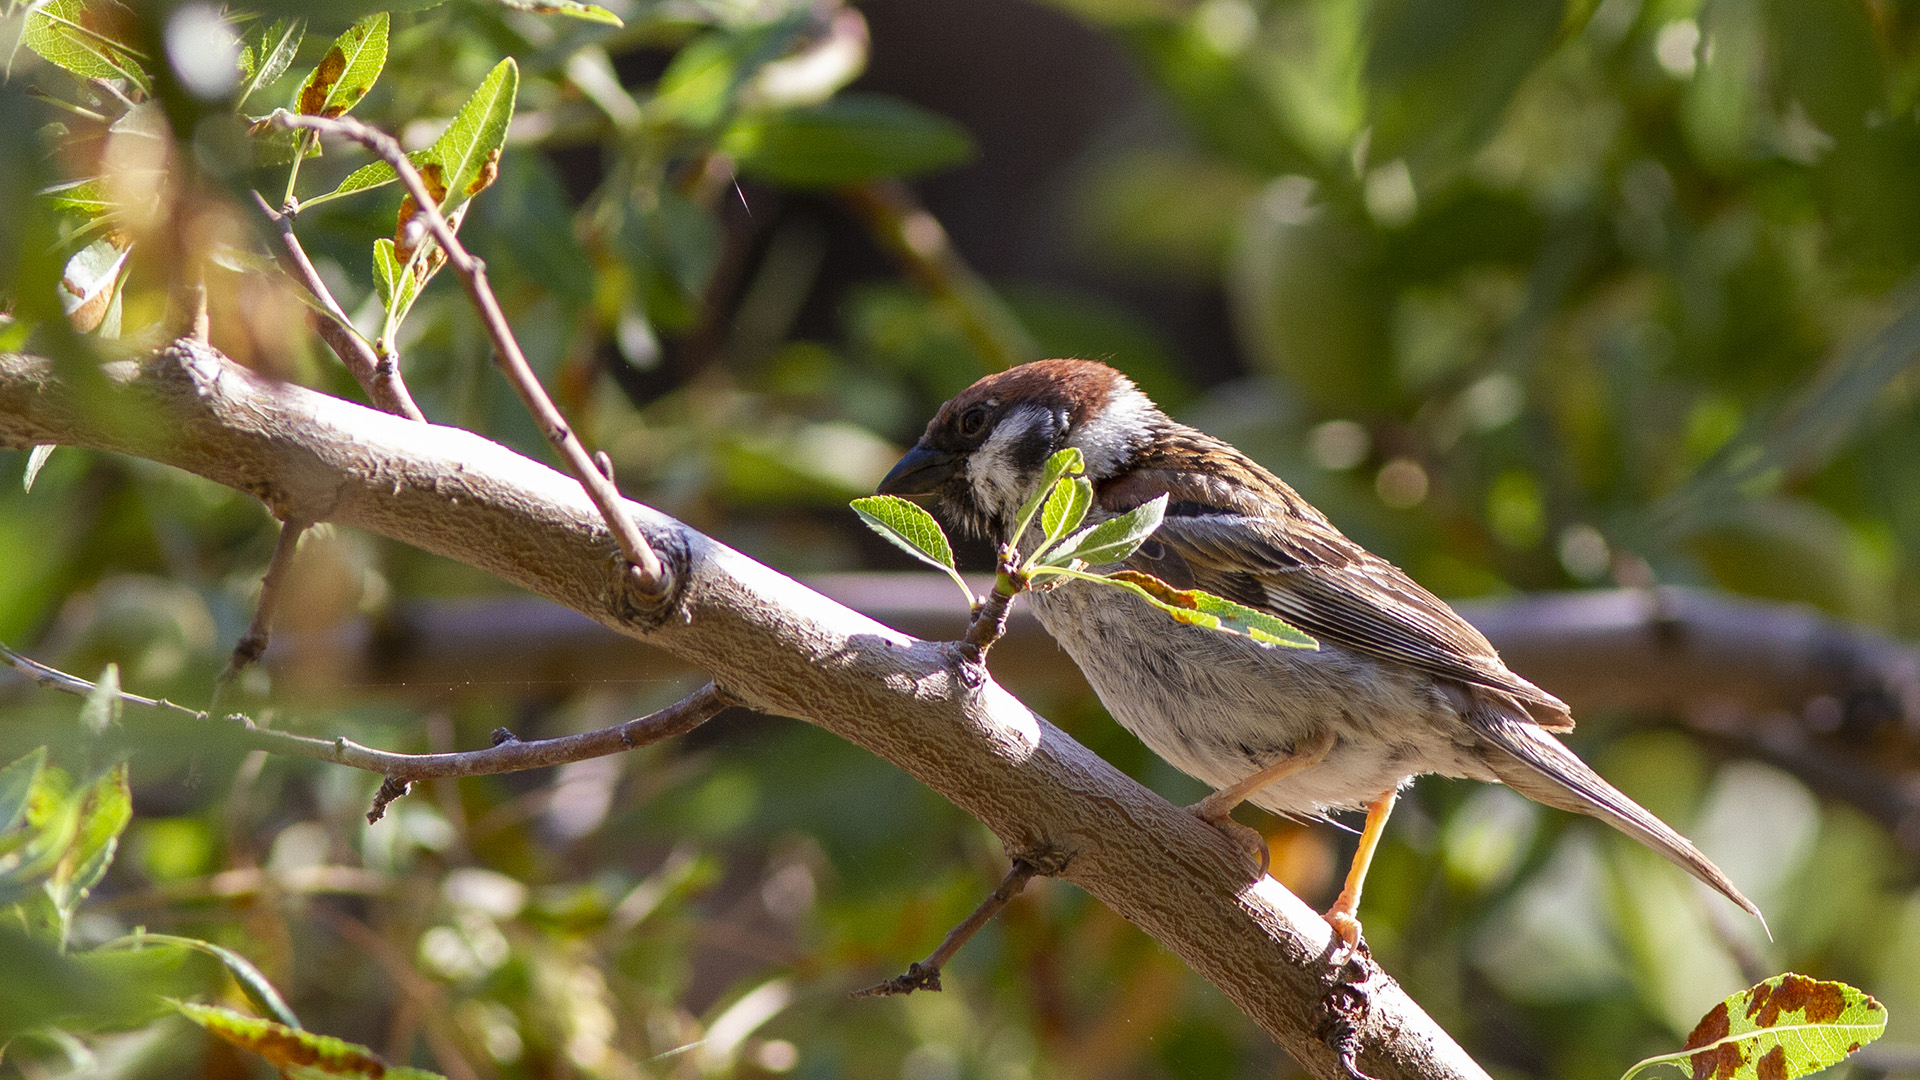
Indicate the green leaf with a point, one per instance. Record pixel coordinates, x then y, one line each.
70 36
1111 540
80 196
348 70
464 159
909 527
302 1055
1197 607
570 8
105 810
1067 462
16 784
252 982
398 283
1067 507
36 459
267 55
848 140
1785 1027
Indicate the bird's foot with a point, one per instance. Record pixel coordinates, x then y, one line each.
1219 814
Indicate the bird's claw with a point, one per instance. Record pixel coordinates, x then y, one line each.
1246 837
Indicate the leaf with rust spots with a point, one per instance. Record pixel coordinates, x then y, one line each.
1198 608
1783 1028
348 71
469 148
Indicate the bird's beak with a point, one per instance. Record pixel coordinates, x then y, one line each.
921 472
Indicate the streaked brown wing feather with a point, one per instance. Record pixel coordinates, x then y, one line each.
1233 542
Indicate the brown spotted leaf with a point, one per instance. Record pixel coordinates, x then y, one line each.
348 70
1785 1027
467 153
571 8
87 39
299 1054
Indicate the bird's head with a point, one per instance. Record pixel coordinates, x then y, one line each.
983 452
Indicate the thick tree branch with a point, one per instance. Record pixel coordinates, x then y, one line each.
780 646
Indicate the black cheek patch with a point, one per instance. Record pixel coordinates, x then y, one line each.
1031 451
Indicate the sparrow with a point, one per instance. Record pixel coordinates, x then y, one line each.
1400 685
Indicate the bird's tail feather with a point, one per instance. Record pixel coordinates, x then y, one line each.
1539 766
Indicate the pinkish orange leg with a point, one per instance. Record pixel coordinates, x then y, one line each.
1344 915
1217 808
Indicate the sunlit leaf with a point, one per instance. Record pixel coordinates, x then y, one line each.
1197 607
348 71
1066 462
267 55
465 158
80 196
909 527
570 8
848 140
252 982
397 285
105 809
36 459
1066 507
79 37
302 1055
1785 1027
1111 540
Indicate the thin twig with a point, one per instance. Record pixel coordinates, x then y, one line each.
650 575
917 240
379 378
260 630
925 974
507 754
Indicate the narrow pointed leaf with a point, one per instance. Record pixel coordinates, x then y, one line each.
398 284
300 1054
570 8
910 528
67 34
1785 1027
1200 608
35 461
463 161
348 71
252 982
267 55
1113 539
1067 507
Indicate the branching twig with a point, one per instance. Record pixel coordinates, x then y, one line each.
650 575
925 974
260 630
507 754
379 378
920 243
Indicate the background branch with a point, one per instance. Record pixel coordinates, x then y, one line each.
780 646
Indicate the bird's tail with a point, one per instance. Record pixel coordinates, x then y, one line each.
1537 765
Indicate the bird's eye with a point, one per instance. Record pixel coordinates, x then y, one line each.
974 420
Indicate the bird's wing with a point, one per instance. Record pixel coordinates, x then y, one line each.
1272 551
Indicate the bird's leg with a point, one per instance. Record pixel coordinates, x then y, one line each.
1344 916
1217 808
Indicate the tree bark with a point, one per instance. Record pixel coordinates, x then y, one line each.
765 638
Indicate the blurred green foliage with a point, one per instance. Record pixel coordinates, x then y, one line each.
1525 295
